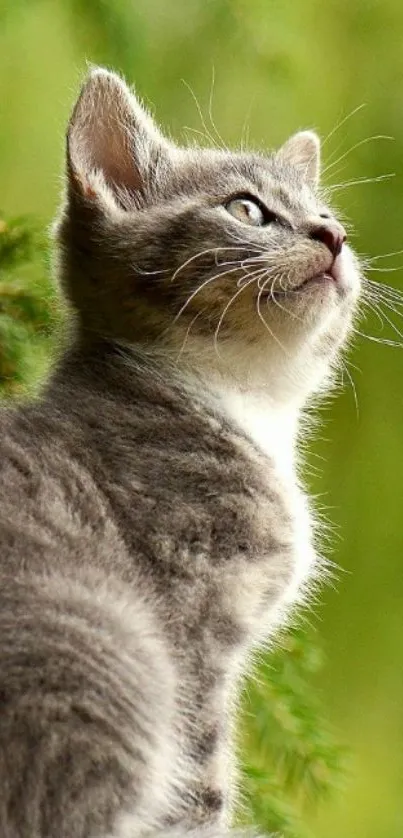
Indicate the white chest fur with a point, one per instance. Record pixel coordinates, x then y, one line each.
274 430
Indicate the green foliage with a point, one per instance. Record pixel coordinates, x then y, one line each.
28 309
277 67
290 758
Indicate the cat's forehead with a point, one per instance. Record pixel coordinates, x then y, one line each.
220 174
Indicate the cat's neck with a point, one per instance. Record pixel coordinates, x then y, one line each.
270 424
273 428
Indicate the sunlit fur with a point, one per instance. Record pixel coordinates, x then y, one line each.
153 530
174 269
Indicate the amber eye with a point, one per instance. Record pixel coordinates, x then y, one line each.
246 211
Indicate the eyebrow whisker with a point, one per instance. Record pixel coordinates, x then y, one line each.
353 148
343 121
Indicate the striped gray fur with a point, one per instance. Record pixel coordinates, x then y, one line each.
152 528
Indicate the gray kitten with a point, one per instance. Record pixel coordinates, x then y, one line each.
153 532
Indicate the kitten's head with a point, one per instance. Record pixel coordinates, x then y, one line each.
229 262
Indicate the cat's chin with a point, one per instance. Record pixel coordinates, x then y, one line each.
287 344
340 278
332 293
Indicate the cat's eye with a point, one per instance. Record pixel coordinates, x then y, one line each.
247 211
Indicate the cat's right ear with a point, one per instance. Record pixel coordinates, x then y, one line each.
114 149
302 151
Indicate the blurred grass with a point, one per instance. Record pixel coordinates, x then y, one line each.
29 309
276 67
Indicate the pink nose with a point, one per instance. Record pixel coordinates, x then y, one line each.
332 234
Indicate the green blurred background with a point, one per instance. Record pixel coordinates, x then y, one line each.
277 66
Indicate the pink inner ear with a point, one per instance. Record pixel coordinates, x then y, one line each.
113 153
101 137
302 150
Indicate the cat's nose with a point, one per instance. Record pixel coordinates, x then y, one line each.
331 233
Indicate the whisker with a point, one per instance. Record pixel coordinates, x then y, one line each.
381 313
354 147
339 186
142 272
379 302
343 121
196 131
180 353
391 323
267 327
226 308
241 281
200 287
384 341
384 270
375 306
210 111
372 306
220 145
379 291
286 291
199 255
245 133
353 387
385 255
208 134
242 242
381 288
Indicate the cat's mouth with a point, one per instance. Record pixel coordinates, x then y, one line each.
320 280
333 277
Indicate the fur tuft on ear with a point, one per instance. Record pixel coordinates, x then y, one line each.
303 151
113 145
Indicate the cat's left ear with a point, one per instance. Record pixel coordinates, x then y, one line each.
114 148
303 151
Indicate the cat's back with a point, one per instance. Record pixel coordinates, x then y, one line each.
117 464
81 654
42 483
